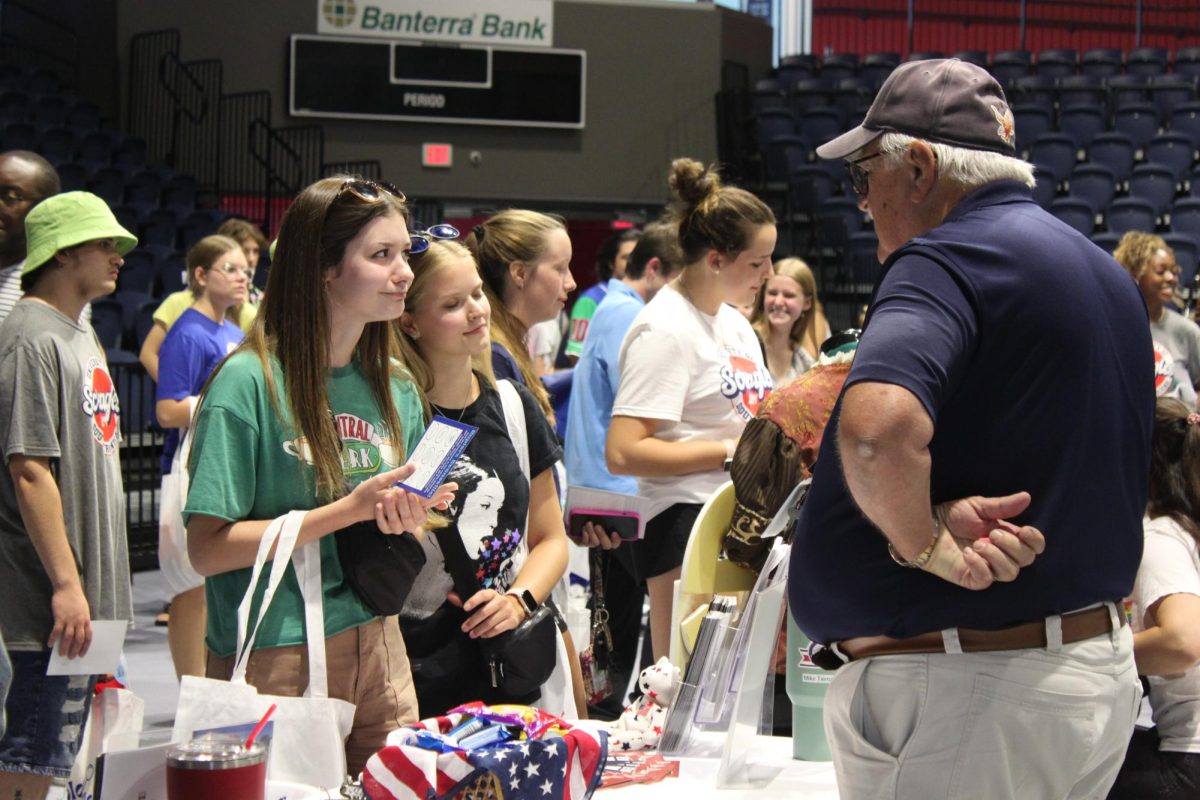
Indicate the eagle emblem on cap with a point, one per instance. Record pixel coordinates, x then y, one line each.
1007 129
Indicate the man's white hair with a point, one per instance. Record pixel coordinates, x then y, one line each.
968 168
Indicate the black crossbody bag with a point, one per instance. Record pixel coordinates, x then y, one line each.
518 661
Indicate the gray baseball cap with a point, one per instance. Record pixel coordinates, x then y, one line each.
940 100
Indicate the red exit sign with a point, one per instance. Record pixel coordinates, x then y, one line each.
437 155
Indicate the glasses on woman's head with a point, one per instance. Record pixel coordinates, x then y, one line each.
859 177
422 237
370 191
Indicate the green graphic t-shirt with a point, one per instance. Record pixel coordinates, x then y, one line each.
247 463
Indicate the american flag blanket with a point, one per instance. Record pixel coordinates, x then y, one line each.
567 767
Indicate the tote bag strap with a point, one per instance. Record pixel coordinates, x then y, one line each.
514 420
281 533
518 434
307 561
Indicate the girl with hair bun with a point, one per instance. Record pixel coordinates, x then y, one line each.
315 412
1163 763
524 258
692 374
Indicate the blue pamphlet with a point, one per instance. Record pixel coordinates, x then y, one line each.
436 453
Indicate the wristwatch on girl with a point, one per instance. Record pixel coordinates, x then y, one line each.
528 601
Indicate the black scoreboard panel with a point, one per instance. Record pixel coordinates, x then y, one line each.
471 84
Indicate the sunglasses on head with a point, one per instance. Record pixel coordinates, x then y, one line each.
370 191
422 237
859 177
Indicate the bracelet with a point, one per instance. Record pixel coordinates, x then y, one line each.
730 447
923 557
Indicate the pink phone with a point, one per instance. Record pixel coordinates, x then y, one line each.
624 523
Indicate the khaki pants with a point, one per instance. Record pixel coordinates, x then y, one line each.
368 666
1044 723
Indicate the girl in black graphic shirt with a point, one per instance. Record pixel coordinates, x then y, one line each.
447 345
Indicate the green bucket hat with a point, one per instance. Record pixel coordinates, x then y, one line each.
65 220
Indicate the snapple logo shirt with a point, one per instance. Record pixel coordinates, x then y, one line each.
702 376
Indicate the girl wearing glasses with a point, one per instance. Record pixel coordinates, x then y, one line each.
314 411
498 513
525 260
218 279
692 375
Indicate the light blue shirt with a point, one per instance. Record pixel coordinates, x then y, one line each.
597 375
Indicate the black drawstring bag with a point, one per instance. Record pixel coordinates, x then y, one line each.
519 661
380 567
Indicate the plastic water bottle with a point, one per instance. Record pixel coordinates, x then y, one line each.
806 686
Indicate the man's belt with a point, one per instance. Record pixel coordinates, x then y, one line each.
1076 626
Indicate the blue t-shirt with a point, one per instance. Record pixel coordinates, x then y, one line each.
597 375
504 365
1030 351
193 348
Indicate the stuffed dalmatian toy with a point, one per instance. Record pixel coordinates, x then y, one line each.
641 725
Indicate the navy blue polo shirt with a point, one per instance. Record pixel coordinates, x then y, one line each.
1029 348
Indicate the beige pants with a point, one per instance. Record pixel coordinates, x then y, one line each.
1029 724
368 666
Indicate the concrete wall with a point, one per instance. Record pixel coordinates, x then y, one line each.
653 68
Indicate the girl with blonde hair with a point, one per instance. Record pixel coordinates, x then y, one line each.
789 320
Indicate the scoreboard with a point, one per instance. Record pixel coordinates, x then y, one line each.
409 81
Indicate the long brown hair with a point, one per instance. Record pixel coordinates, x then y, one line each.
426 267
510 236
805 326
293 323
1175 466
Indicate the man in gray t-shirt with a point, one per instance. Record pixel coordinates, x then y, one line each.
64 559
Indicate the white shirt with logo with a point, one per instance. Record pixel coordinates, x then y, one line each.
702 376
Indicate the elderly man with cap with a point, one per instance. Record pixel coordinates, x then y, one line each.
975 516
63 555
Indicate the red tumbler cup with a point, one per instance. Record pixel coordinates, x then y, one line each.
217 766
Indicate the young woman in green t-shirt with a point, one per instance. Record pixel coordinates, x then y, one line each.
313 402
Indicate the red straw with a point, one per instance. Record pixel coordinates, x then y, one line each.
262 723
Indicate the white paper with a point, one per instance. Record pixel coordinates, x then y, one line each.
108 639
434 455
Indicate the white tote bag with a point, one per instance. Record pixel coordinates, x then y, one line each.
558 694
308 745
177 570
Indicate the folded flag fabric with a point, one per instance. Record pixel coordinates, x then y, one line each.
567 766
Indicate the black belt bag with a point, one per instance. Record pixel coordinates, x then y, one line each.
518 661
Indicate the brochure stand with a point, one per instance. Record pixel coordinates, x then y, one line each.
753 690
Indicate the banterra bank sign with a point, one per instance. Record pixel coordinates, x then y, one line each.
513 22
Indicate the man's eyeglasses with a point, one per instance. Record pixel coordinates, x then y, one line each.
233 270
423 237
859 177
12 196
370 191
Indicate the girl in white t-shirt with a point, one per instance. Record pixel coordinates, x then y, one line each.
1163 763
692 374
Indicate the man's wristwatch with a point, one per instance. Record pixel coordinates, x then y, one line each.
528 601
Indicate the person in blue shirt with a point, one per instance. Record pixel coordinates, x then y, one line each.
218 278
974 520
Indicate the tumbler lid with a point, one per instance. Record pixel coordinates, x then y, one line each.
215 751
